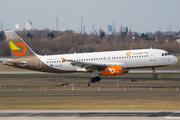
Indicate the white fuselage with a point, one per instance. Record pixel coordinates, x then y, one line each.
129 59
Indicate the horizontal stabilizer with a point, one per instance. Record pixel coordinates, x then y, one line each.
20 63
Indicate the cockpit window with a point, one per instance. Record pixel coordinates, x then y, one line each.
165 54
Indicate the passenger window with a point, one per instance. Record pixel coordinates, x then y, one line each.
124 57
119 57
129 56
114 57
163 54
139 56
132 56
52 61
101 58
96 58
144 55
47 62
147 55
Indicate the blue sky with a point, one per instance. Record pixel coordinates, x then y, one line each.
138 15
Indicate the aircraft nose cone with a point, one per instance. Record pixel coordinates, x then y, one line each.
175 60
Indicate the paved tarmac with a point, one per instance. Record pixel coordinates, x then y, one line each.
49 75
131 71
86 94
89 115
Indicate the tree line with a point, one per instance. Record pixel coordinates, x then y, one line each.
45 42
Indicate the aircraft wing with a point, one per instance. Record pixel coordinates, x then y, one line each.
87 65
93 66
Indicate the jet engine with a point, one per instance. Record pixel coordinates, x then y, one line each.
113 71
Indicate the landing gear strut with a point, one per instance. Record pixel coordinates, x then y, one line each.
154 73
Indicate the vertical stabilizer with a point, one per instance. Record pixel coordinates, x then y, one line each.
18 48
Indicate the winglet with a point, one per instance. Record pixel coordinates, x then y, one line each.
64 60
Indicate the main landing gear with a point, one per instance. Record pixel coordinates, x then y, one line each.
95 79
154 73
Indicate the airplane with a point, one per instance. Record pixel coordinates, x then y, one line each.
110 63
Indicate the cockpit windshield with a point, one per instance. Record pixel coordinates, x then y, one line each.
165 54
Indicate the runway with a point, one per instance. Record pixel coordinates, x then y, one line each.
130 71
89 115
86 94
17 74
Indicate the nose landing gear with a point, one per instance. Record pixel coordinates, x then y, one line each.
154 73
154 76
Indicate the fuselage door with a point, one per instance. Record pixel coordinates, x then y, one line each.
38 63
152 55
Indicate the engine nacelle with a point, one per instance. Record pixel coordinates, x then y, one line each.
114 71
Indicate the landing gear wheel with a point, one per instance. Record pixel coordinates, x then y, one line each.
98 79
154 76
93 80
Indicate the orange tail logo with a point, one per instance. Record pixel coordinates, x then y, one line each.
15 48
